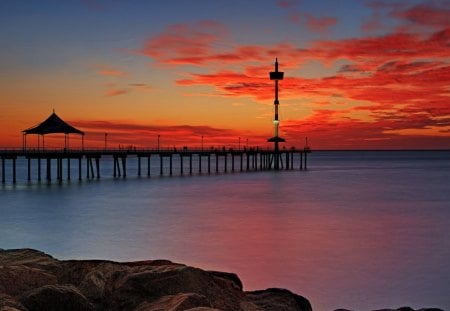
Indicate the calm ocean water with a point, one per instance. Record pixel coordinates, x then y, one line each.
359 230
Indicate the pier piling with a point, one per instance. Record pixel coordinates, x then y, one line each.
255 159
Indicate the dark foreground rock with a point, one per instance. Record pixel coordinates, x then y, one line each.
401 309
32 281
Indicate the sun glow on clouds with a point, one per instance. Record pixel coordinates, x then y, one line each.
384 87
401 78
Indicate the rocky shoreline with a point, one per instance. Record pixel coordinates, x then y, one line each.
31 280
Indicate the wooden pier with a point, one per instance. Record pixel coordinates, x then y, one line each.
208 161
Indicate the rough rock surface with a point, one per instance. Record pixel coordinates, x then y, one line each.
32 281
401 309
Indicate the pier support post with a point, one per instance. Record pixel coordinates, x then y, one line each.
292 160
181 165
3 170
209 163
59 169
91 165
14 170
87 168
49 169
148 166
68 168
301 160
79 168
242 160
39 169
170 164
115 167
306 156
248 161
190 164
160 164
97 164
199 163
124 166
226 158
139 166
232 162
217 162
29 168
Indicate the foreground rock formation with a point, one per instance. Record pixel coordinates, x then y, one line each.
33 281
401 309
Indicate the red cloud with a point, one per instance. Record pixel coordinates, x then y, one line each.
320 24
146 136
116 92
428 14
185 43
286 4
434 14
398 82
316 24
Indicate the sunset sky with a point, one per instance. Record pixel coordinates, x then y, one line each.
358 74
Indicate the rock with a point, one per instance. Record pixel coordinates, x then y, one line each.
55 298
177 302
8 303
31 280
158 281
28 257
15 280
401 309
278 299
228 277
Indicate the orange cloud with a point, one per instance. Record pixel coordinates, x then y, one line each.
111 72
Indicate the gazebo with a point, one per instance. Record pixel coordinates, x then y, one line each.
52 125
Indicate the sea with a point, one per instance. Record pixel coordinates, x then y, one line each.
360 230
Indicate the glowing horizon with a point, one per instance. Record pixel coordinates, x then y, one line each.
359 75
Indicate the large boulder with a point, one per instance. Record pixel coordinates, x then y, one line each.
55 298
177 302
8 303
25 269
15 280
278 299
401 309
158 281
28 257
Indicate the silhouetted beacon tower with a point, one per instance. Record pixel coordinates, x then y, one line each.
276 75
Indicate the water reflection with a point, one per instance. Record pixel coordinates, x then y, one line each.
345 236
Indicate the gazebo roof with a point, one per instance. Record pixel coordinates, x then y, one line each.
53 124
